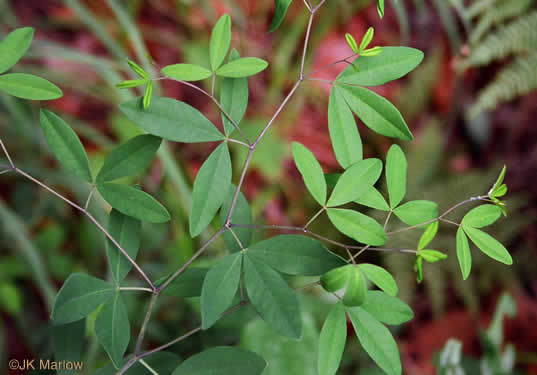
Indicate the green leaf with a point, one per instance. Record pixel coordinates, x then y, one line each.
380 8
355 181
279 13
370 52
387 309
133 202
432 256
162 362
392 64
374 199
241 215
368 37
417 212
428 235
131 83
171 119
233 98
112 328
14 46
67 343
220 41
336 279
296 255
418 267
242 67
488 245
396 167
380 277
311 172
210 189
126 231
358 226
79 296
138 69
463 253
129 158
147 95
351 42
222 360
482 216
376 340
498 182
65 145
377 113
273 299
188 284
186 72
332 340
28 86
356 287
344 134
219 288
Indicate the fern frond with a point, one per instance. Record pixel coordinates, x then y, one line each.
517 78
518 36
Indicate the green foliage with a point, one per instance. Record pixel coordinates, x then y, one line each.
380 277
357 226
126 231
233 97
311 172
222 360
332 340
186 72
14 46
220 41
279 13
187 284
396 166
242 67
27 86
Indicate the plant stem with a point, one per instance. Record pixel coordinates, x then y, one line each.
314 217
89 198
7 155
146 321
136 288
149 368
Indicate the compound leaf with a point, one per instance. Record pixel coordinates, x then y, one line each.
211 187
387 309
396 167
332 340
463 253
358 226
417 212
220 41
234 98
374 199
65 145
186 72
126 231
482 216
489 245
380 277
355 181
242 67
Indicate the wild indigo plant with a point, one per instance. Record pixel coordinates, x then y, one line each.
253 270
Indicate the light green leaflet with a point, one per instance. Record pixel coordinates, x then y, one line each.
222 360
351 42
220 41
358 226
133 202
273 299
210 189
482 216
65 145
28 86
14 46
368 37
376 340
296 255
171 119
234 98
187 284
380 277
417 212
392 64
396 167
428 235
488 245
380 8
463 253
374 199
242 67
387 309
148 94
241 215
79 296
68 342
356 288
376 112
129 158
346 141
279 13
355 181
311 172
336 279
112 328
332 340
186 72
126 231
219 288
432 256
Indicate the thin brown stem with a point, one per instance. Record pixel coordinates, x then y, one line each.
7 155
141 335
314 217
236 238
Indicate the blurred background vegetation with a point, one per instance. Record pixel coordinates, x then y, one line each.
471 105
